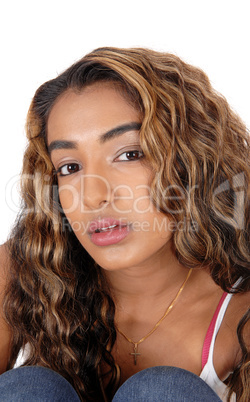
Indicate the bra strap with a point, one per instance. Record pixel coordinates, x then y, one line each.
210 331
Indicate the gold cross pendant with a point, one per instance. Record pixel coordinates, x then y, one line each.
135 353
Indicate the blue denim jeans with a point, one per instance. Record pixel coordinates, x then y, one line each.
156 384
35 384
165 384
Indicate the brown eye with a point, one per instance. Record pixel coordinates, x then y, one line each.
68 169
130 156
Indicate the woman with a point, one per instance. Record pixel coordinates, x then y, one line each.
132 249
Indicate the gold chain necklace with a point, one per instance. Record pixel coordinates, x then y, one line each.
135 353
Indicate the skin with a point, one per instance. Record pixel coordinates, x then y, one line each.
142 269
5 333
108 176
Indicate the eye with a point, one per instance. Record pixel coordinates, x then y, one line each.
68 168
130 156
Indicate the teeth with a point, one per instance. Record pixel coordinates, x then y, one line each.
105 229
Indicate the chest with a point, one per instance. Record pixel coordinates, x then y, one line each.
170 345
177 342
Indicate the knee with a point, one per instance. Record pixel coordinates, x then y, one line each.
35 383
165 383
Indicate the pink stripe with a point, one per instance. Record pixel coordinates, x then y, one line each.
210 331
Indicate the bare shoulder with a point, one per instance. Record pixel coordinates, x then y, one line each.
4 328
227 352
4 264
4 273
239 306
237 309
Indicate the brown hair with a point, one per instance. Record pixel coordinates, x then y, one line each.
194 142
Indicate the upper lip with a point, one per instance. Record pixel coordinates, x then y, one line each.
105 223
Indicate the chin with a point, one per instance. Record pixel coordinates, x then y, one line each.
114 264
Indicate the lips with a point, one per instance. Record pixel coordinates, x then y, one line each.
108 231
106 224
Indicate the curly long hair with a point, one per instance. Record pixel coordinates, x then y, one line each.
58 301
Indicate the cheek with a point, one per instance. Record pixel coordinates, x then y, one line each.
142 202
165 228
69 199
134 199
161 227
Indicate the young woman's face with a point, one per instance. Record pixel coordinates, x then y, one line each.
103 180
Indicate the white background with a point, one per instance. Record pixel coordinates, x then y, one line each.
39 39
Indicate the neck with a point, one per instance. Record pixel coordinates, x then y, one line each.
153 279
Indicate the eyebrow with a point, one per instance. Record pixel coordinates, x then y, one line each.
114 132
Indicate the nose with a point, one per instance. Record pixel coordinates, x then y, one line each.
96 192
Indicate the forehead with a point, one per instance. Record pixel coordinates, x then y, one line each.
97 108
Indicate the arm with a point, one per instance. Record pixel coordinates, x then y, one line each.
240 378
5 334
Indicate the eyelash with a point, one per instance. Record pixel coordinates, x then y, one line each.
59 171
134 151
139 155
